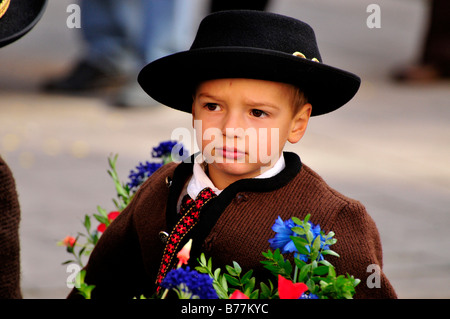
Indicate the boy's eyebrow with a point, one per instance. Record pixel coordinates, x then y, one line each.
207 95
255 103
248 102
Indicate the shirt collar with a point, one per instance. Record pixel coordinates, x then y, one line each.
200 180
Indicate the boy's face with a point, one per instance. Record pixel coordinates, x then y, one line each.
244 126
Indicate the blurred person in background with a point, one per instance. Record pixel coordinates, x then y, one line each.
434 62
120 37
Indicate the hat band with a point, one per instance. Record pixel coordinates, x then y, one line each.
4 4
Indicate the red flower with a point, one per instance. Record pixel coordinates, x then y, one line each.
69 241
288 290
111 216
238 295
183 254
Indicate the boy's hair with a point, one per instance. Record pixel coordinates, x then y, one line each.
299 99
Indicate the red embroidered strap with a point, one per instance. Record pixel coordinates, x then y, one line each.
190 212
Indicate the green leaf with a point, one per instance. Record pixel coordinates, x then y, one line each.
265 291
331 241
102 212
203 259
307 217
247 276
102 219
201 270
237 268
321 270
81 251
268 254
325 263
254 294
232 280
223 282
231 271
300 245
316 244
299 263
330 252
217 273
87 222
250 285
311 285
309 235
330 235
297 221
210 264
302 277
332 272
298 230
277 255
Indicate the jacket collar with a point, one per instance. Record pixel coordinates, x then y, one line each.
201 180
184 171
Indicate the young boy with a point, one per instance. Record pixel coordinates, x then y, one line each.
251 80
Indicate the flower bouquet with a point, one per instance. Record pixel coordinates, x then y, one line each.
296 258
310 276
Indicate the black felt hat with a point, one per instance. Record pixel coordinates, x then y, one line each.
17 17
255 45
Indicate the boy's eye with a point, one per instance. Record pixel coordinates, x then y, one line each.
258 113
212 106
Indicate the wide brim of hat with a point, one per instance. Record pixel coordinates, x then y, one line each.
172 80
19 19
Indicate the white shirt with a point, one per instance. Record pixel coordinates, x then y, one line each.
200 180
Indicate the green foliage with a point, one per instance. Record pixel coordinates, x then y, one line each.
83 289
219 281
234 279
277 264
317 273
124 194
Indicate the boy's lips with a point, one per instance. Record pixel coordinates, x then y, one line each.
228 152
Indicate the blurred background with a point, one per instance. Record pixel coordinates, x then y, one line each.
388 147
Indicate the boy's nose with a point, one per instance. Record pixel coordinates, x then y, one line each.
233 125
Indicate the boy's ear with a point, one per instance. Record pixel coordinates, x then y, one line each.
299 123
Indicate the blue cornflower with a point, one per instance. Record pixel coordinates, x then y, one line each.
283 241
164 150
191 283
143 171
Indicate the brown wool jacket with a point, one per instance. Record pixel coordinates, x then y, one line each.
235 226
9 235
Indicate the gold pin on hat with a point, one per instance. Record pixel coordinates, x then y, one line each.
301 55
4 4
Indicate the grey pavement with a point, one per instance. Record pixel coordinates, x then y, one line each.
388 147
